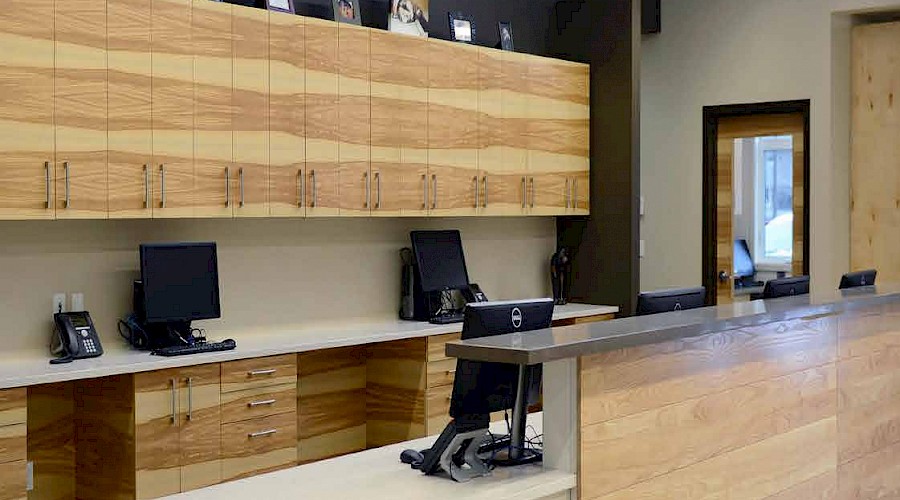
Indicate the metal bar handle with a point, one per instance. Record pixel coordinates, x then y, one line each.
378 191
262 433
575 193
568 193
47 180
424 191
146 186
254 404
190 411
315 193
475 180
66 169
368 189
524 192
257 373
162 186
532 192
484 199
451 372
174 402
227 187
434 191
241 180
300 188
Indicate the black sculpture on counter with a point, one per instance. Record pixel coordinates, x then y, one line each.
561 274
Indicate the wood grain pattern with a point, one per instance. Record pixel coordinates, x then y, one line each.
211 37
259 372
13 406
156 435
12 481
515 115
13 442
200 432
51 440
79 108
396 391
246 451
874 179
437 345
322 119
725 218
251 117
129 114
353 120
331 388
287 115
259 402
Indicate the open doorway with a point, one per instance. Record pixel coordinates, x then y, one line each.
755 196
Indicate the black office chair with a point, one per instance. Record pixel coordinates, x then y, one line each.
858 278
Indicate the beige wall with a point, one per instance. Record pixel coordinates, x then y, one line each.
272 272
737 51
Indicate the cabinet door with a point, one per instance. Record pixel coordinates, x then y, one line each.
581 192
501 186
287 115
515 112
13 478
200 426
80 110
353 120
322 119
129 113
26 110
453 123
173 109
211 37
157 436
251 108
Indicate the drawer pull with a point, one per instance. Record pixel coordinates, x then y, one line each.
257 373
254 404
449 398
451 372
262 433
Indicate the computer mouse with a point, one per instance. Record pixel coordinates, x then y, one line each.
411 457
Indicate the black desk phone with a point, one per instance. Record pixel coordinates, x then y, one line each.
75 337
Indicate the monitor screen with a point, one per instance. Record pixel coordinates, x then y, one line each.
483 388
743 262
440 260
180 282
671 300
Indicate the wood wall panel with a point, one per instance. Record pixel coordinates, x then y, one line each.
51 442
331 407
396 392
287 116
322 119
129 115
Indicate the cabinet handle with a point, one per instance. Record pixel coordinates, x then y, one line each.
368 189
146 186
300 188
66 169
227 187
424 191
451 372
241 181
433 191
190 411
315 193
174 402
47 180
532 192
568 193
475 180
254 404
162 186
377 190
575 193
484 199
262 433
257 373
524 193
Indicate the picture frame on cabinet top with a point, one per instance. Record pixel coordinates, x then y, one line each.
347 11
462 27
281 6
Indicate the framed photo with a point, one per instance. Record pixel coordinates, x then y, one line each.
506 36
280 5
409 16
347 11
462 28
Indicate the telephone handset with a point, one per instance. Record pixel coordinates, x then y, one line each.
75 337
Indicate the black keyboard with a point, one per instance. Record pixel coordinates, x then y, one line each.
448 318
181 350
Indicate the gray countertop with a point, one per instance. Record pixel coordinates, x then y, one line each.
542 346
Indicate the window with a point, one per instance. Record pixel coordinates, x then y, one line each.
774 225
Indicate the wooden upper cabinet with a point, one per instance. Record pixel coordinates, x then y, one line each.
129 119
322 119
453 123
251 112
173 109
26 110
353 120
496 197
80 94
515 112
287 115
211 39
399 124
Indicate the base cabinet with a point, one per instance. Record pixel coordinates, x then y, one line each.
13 436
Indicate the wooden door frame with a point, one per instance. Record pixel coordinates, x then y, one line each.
711 117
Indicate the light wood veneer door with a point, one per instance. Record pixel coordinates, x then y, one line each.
287 115
211 38
322 119
26 110
453 123
129 118
516 112
157 435
13 480
353 121
200 429
251 112
173 109
399 107
80 116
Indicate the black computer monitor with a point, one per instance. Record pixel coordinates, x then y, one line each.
858 278
180 282
440 261
678 299
743 262
785 287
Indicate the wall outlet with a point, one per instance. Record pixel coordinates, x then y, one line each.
641 249
59 303
76 301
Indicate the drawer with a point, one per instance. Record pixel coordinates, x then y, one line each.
259 372
13 443
441 373
438 408
13 406
260 445
259 402
437 345
12 481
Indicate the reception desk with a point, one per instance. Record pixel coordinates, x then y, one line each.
795 398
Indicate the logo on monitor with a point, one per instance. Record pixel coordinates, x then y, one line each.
677 306
517 317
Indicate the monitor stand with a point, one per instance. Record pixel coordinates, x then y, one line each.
517 453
